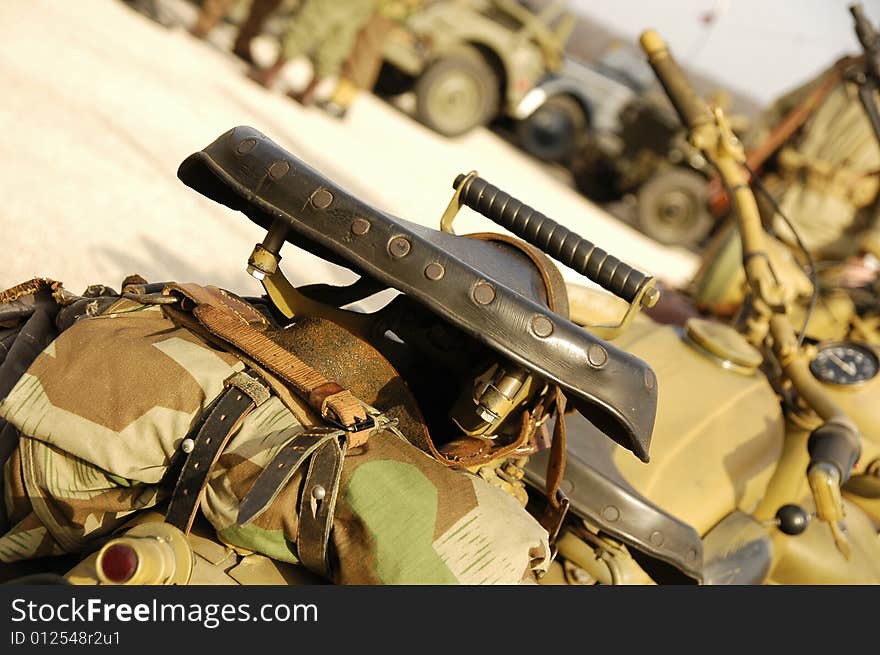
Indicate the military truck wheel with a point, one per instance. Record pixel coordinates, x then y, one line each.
551 132
458 92
594 175
673 207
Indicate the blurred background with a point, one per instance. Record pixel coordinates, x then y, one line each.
551 101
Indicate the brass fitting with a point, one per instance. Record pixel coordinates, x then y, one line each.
149 554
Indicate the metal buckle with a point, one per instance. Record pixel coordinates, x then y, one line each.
373 422
357 426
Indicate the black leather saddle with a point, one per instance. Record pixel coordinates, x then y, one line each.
474 285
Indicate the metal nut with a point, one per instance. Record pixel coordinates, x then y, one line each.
651 297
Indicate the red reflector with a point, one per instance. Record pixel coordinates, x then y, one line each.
118 563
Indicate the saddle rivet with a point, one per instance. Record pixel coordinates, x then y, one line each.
278 169
483 293
246 146
611 513
434 271
650 379
656 538
399 247
597 356
360 226
321 199
187 445
318 492
542 326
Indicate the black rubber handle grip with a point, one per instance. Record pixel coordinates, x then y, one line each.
837 443
552 238
692 109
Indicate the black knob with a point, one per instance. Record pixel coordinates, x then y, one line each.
792 519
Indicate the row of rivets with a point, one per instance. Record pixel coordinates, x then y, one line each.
483 293
611 514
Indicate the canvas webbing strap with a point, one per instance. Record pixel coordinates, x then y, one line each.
334 403
234 325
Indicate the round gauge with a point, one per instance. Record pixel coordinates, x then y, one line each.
845 363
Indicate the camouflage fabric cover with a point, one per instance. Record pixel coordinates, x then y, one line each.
101 414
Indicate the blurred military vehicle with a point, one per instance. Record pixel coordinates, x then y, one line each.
467 61
605 123
580 97
470 61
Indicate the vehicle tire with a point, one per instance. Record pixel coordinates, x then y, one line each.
553 130
457 92
594 175
392 81
673 207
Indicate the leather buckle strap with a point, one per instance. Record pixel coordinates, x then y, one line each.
287 461
206 442
318 504
324 449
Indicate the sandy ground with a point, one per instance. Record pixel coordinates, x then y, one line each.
100 105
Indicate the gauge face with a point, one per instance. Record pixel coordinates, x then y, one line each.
845 363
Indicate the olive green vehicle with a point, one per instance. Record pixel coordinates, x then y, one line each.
471 61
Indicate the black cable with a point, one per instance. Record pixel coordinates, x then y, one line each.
756 182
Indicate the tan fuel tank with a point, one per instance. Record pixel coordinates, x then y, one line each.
719 428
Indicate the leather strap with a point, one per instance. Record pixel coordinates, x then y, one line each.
317 505
205 443
287 461
34 286
557 502
8 443
557 301
325 449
